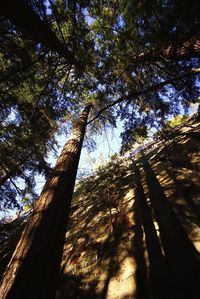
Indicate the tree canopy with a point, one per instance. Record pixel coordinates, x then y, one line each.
135 61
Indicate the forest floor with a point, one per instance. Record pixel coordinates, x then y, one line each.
134 230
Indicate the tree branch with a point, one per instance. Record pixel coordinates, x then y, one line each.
23 16
45 87
6 77
57 21
189 48
151 88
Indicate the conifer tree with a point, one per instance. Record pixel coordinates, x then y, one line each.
33 270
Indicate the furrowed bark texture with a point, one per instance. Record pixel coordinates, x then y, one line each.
183 50
21 14
34 267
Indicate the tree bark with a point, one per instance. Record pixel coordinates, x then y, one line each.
184 50
21 14
34 267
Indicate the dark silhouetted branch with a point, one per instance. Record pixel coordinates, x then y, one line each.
23 16
151 88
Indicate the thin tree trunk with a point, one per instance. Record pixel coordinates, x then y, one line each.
21 14
34 267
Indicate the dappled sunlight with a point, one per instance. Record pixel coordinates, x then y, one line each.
180 179
123 283
122 250
94 244
134 229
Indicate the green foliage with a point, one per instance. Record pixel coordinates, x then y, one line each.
167 129
113 43
177 120
132 136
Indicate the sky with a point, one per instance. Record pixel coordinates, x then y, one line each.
107 144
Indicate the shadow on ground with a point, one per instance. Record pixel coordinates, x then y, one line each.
134 228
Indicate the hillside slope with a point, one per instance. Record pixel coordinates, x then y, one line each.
134 229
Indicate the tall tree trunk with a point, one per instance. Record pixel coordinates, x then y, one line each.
34 267
21 14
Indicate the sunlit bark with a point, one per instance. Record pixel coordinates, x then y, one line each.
184 50
34 267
